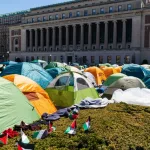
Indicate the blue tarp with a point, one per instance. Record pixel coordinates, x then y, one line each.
30 70
135 71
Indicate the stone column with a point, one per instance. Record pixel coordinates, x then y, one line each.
115 35
60 37
81 38
42 39
74 37
31 41
47 39
53 40
98 36
124 34
36 40
106 35
89 37
67 38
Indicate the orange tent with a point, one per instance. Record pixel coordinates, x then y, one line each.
98 74
110 70
34 93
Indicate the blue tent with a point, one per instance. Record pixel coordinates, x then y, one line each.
135 70
8 63
30 70
55 71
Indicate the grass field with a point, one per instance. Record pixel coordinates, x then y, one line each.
118 126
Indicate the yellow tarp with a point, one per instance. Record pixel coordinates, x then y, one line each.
34 92
97 73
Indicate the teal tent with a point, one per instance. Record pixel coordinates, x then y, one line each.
14 106
30 70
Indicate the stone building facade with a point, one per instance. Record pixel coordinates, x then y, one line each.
84 31
6 21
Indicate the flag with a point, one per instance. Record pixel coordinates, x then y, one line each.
4 139
76 110
86 125
72 128
50 127
24 138
40 134
72 116
23 146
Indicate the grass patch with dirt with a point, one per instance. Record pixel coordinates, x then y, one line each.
116 127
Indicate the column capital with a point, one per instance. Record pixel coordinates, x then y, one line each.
98 23
67 26
89 23
114 21
124 20
106 22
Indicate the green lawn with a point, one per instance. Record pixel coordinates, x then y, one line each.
118 126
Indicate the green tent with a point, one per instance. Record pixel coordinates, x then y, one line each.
14 106
70 88
113 78
54 65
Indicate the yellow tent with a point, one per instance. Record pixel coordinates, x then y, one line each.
34 92
97 73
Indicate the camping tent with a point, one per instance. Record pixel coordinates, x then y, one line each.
41 62
98 74
30 70
54 65
114 77
35 94
72 68
9 63
125 83
14 106
110 70
55 71
90 77
70 88
135 70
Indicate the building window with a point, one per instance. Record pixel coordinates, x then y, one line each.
33 20
110 9
16 41
56 16
63 16
129 7
43 57
84 60
93 11
85 13
119 8
44 18
127 60
92 59
32 58
100 59
28 21
118 59
38 19
70 15
50 17
109 59
102 10
77 14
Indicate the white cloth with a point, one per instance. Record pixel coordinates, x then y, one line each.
135 96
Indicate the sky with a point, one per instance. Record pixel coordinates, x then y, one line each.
8 6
